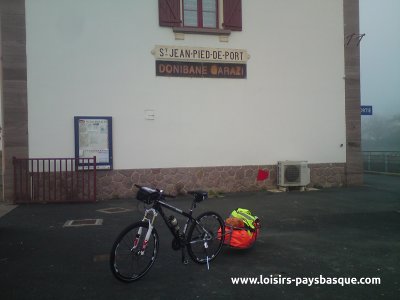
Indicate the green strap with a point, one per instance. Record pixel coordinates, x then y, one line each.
249 220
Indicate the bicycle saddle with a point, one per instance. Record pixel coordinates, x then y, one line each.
198 195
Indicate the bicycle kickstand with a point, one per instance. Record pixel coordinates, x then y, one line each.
205 250
184 259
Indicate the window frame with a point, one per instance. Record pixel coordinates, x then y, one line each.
200 13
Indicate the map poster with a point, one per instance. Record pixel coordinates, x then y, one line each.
93 137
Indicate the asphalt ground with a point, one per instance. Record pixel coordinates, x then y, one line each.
333 233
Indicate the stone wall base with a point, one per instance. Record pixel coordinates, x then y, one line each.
112 184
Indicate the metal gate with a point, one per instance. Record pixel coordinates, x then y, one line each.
44 180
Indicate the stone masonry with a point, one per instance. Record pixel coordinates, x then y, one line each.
114 184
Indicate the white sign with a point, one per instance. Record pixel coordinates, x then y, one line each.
200 54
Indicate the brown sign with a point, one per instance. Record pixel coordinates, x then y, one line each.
200 69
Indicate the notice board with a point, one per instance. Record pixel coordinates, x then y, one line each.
93 137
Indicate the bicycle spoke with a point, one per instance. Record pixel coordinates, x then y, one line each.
129 263
204 242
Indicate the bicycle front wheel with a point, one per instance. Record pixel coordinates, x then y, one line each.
205 237
131 257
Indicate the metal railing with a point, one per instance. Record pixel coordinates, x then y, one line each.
43 180
382 161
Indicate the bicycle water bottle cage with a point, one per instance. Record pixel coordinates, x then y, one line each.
147 195
199 195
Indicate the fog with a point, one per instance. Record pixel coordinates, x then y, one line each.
380 73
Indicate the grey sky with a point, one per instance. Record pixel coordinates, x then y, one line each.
380 55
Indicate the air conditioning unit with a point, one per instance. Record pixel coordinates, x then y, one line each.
293 173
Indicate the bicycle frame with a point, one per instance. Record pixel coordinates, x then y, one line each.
157 209
180 239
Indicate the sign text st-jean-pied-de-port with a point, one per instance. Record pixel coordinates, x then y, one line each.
178 61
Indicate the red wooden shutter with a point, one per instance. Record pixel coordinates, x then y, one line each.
169 13
233 15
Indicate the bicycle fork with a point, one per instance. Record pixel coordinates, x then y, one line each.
148 234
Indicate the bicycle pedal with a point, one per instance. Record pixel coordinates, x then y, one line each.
185 262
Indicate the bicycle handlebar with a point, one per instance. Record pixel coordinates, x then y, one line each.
161 192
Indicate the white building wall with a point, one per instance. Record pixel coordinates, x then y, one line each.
93 58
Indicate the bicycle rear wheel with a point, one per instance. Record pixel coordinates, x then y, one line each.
206 237
131 258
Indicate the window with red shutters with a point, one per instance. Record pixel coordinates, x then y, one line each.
200 14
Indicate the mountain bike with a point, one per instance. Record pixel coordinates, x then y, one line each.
136 247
